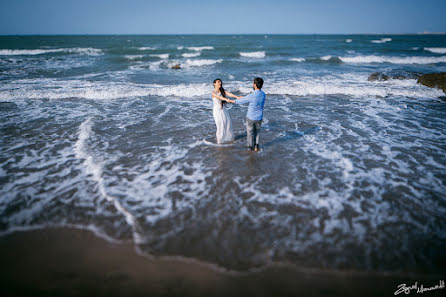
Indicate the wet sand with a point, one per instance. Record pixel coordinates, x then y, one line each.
71 262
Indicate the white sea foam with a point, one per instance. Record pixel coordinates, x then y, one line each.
152 182
185 64
393 60
180 48
200 48
95 169
161 56
182 90
437 50
201 62
51 89
154 66
145 48
354 85
258 55
191 55
24 52
297 59
86 51
9 52
348 40
134 57
382 40
351 85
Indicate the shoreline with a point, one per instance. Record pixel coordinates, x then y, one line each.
74 262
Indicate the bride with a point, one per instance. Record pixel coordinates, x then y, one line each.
221 115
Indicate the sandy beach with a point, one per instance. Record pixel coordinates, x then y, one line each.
70 262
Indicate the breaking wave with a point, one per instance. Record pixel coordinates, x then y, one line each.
258 55
161 56
436 50
198 48
382 40
375 59
191 55
393 60
350 85
26 52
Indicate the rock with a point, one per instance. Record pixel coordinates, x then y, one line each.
434 80
176 66
376 76
406 75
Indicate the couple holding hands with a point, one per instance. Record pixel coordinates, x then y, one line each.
254 115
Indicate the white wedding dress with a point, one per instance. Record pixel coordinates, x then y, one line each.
222 121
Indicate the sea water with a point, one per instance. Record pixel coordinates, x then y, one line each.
99 132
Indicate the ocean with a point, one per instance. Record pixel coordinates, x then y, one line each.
101 133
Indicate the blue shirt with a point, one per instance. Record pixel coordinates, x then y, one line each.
256 102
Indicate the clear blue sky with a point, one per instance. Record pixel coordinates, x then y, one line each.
220 17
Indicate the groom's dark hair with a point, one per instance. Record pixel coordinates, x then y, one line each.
259 82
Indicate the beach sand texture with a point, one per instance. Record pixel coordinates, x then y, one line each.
72 262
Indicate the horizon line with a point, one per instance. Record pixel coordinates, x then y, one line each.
170 34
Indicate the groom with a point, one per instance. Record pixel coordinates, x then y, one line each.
254 116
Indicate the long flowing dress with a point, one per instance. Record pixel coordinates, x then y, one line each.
222 121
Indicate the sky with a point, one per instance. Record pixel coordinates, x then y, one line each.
221 17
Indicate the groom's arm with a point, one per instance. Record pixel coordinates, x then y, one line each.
245 99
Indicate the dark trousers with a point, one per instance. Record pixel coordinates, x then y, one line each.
253 129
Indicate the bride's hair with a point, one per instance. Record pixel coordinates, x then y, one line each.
222 91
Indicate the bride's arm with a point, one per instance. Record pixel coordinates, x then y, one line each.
234 96
221 98
231 95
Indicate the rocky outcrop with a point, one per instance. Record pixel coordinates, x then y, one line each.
434 80
176 66
378 76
